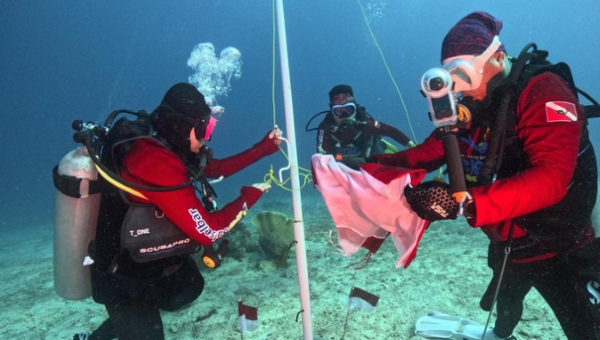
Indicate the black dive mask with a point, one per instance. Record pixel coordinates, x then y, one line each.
202 126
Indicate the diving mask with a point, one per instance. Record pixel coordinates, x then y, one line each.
202 129
210 127
344 110
467 70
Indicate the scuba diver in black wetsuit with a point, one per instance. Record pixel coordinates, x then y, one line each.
349 133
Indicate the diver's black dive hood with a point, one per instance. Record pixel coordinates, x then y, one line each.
182 108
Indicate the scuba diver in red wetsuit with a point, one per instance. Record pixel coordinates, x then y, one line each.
531 178
135 277
349 133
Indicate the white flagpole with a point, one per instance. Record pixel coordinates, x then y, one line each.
293 155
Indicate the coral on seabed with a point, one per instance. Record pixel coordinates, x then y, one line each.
276 232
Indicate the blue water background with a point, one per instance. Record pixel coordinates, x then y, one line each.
65 60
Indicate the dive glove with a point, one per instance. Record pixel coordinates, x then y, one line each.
432 201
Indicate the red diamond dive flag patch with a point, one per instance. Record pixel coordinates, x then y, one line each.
561 112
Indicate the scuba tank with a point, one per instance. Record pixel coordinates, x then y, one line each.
77 205
76 212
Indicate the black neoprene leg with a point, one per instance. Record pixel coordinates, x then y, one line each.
181 288
136 321
106 331
515 286
570 308
509 305
140 319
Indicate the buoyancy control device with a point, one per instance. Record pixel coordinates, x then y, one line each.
504 156
348 135
78 198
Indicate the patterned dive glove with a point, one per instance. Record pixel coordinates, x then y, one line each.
432 201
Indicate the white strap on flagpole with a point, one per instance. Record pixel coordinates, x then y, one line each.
287 167
293 156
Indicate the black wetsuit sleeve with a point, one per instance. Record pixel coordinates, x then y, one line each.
382 129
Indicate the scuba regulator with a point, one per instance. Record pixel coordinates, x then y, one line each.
210 256
437 86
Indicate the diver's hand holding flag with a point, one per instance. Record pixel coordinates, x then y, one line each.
247 317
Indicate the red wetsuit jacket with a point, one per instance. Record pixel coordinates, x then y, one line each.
551 147
150 163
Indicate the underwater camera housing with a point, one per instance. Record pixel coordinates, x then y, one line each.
436 86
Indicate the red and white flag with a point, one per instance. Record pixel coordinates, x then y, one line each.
368 204
362 300
248 317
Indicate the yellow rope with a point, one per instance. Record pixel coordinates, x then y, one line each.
440 171
388 71
306 174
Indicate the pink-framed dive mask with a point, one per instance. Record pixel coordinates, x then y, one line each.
208 130
467 70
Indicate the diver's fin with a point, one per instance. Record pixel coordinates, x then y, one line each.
438 325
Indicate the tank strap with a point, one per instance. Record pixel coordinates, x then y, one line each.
73 186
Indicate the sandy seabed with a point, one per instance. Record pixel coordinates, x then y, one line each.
449 275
